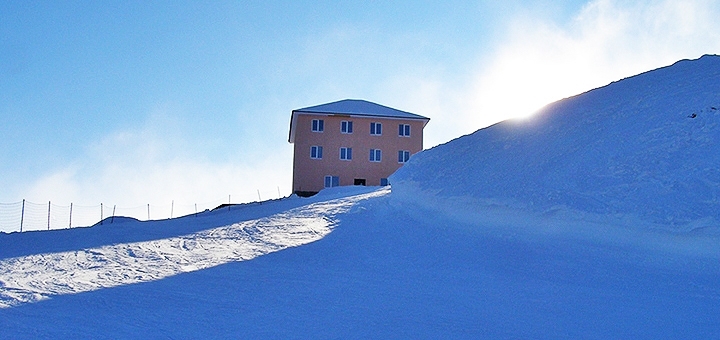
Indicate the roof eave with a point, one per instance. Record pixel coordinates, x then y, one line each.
359 115
291 136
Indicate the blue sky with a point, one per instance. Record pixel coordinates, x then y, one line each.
131 103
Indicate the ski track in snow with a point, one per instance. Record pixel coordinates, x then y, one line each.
37 277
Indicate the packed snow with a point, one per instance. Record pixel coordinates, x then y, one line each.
595 219
35 277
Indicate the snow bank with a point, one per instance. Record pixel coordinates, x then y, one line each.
38 276
642 151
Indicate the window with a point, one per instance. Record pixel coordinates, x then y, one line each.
383 181
332 181
318 125
375 155
346 154
375 129
346 126
404 130
403 156
316 152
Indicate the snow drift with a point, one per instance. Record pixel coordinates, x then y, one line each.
642 149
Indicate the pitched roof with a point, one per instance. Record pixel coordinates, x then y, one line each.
354 107
359 108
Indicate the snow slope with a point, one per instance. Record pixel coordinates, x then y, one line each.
390 269
643 149
474 240
35 277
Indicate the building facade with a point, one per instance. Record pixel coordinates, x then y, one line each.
351 142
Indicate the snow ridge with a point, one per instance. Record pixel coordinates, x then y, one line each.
642 148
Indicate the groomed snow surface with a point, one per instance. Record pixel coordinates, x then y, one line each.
597 219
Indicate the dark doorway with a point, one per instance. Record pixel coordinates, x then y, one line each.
359 181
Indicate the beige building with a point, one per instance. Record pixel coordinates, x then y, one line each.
351 142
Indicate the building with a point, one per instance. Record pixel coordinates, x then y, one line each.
351 142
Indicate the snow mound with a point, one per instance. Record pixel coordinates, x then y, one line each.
641 149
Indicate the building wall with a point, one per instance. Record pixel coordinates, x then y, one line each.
309 174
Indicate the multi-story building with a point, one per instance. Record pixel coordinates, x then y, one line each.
351 142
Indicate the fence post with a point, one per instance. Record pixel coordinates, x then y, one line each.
195 209
101 213
172 207
148 212
22 215
259 199
49 215
112 219
70 225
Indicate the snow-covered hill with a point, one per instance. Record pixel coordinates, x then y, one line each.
40 275
643 149
576 224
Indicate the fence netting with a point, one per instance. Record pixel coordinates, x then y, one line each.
27 216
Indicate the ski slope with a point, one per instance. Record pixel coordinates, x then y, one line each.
597 219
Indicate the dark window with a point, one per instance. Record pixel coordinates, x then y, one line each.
404 130
316 152
403 156
376 129
346 154
375 155
346 126
318 125
332 181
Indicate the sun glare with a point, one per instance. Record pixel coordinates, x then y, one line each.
517 89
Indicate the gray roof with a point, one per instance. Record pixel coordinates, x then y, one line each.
354 107
358 107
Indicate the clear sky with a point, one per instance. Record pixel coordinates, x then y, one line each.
136 102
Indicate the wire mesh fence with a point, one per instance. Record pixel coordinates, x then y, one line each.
28 216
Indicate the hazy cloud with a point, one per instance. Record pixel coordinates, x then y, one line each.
151 165
541 61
